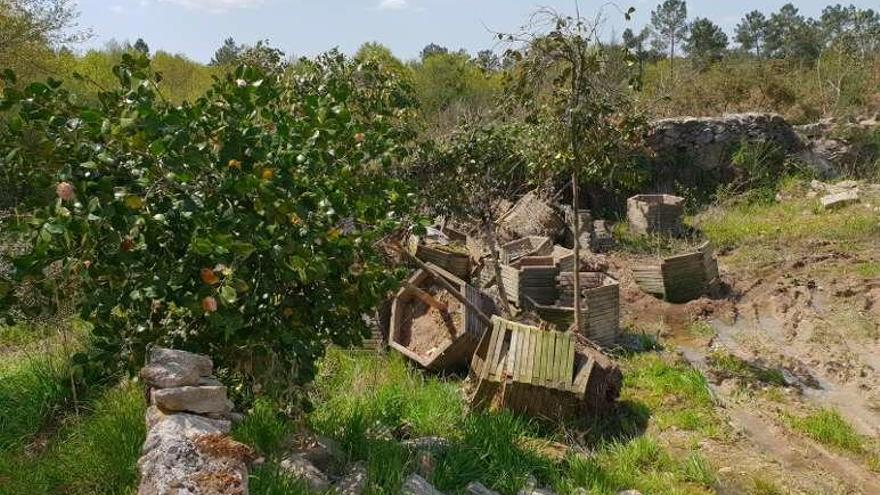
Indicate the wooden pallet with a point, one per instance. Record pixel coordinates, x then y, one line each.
458 352
457 263
537 371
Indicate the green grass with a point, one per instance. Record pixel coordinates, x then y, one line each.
790 221
653 244
95 453
677 394
367 402
15 336
727 366
701 329
265 428
763 486
868 270
828 427
32 391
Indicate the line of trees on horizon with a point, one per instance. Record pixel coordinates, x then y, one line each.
784 34
682 65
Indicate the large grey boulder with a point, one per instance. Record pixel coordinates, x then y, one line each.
201 400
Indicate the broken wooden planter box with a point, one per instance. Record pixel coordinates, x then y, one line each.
532 245
454 258
543 373
452 350
655 214
531 278
600 307
682 278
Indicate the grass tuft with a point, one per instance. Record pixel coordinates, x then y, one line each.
828 427
95 453
265 428
726 366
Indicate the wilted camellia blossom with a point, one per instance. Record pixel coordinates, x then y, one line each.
65 191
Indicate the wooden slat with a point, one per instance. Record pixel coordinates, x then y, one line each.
580 382
559 358
490 350
568 368
550 349
539 358
530 357
511 353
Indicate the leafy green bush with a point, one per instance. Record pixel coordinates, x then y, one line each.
243 225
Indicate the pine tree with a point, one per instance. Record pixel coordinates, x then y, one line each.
669 21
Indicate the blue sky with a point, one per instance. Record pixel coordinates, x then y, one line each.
306 27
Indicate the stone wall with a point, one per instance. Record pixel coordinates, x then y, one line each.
707 142
187 450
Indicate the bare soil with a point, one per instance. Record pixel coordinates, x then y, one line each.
810 316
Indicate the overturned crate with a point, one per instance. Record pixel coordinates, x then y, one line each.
542 373
655 214
423 333
600 307
453 257
681 278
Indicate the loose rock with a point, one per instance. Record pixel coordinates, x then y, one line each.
162 356
416 485
299 467
840 199
355 480
477 488
433 444
201 400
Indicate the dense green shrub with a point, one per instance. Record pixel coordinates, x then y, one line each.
242 225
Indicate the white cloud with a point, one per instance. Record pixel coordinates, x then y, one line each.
215 6
393 5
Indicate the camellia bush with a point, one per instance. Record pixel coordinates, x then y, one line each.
243 225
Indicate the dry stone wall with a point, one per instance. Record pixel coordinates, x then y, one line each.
187 450
707 142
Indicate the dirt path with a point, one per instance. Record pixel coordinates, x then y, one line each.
795 325
803 459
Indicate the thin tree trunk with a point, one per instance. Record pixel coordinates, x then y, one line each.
576 225
489 232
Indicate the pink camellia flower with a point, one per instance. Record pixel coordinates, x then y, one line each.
209 305
65 191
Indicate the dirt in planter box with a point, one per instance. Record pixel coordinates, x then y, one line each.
424 330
